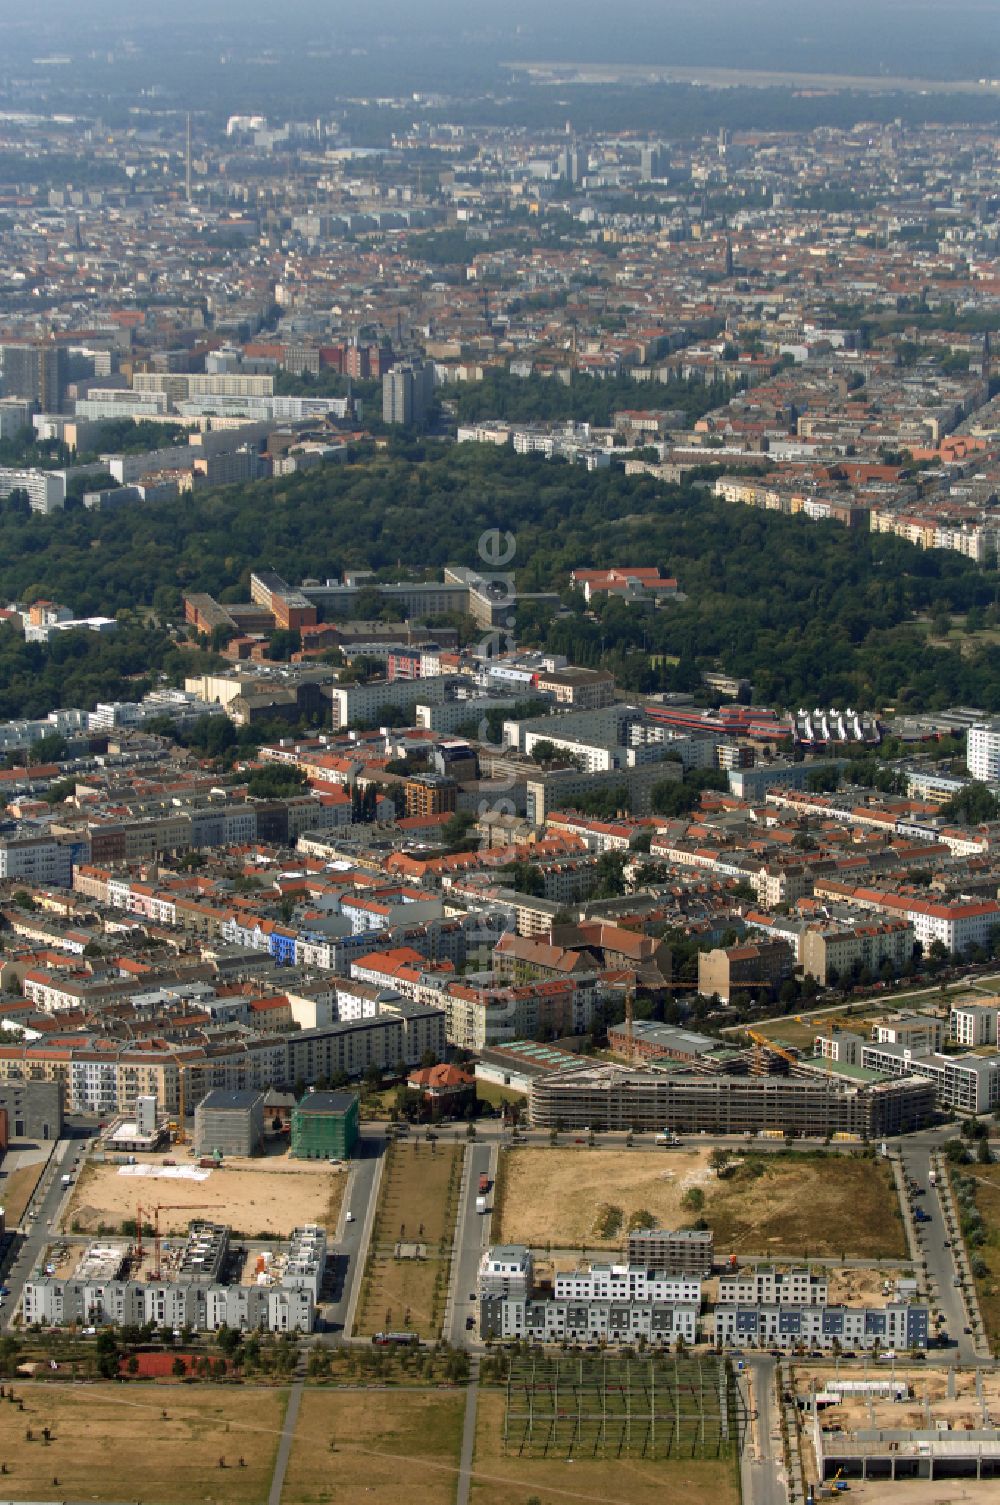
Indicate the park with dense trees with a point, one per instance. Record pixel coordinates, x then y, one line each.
810 612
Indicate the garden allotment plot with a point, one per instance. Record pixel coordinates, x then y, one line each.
600 1407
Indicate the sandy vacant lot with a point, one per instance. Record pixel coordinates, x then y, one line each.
113 1442
409 1448
556 1196
506 1479
768 1204
269 1197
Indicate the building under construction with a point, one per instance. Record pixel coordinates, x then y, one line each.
200 1282
904 1427
601 1096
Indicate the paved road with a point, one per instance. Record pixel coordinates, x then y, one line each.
36 1225
762 1465
473 1232
348 1254
941 1267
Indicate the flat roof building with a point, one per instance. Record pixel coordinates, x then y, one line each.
681 1251
229 1122
325 1126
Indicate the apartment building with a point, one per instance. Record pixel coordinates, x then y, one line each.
765 1286
681 1251
829 953
973 1024
480 1017
969 1084
750 967
353 705
957 924
580 689
101 1294
30 855
606 1282
550 1320
919 1033
506 1270
897 1326
983 751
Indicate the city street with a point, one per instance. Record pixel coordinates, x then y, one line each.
473 1233
942 1269
762 1470
35 1227
350 1246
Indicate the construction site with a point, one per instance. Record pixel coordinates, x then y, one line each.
263 1197
902 1425
204 1280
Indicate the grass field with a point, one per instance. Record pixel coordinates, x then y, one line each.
853 1017
114 1443
782 1204
496 1096
984 1181
341 1453
501 1478
418 1202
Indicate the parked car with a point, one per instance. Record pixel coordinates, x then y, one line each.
470 1323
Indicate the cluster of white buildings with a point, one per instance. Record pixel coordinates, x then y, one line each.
624 1303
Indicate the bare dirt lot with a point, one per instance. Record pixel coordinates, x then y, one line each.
794 1205
268 1197
152 1443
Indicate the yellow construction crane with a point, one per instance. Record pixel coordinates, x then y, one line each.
762 1043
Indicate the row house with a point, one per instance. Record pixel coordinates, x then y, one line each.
899 1325
542 1320
768 1287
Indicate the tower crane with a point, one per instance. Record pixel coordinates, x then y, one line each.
154 1273
762 1043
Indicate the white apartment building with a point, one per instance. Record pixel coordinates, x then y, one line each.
970 1084
354 703
973 1024
983 751
506 1270
554 1321
37 859
920 1033
626 1283
769 1287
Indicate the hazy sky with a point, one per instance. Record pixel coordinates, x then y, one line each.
956 38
